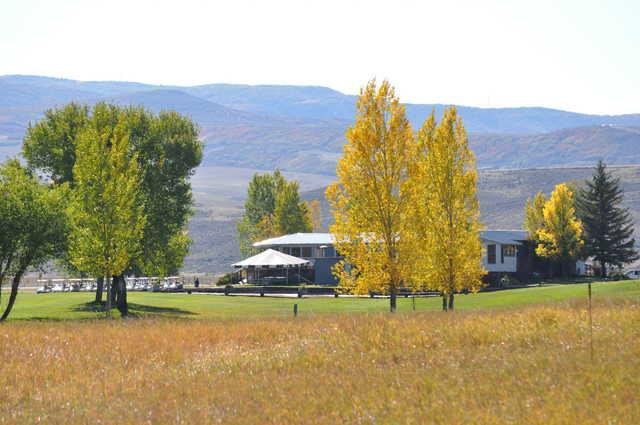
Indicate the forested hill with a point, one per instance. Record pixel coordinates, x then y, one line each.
301 128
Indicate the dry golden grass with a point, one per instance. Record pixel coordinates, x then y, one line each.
527 366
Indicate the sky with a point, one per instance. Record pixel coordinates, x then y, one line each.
580 56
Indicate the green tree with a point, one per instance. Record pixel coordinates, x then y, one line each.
167 149
106 215
446 212
560 238
258 210
369 201
291 214
50 145
608 227
32 225
273 207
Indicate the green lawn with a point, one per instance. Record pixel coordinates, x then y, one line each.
77 305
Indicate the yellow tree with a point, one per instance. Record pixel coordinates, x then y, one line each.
370 201
446 212
560 238
315 215
534 215
106 216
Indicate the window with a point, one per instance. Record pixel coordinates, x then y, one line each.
285 249
295 251
306 252
491 254
509 250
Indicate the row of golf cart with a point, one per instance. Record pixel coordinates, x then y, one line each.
151 284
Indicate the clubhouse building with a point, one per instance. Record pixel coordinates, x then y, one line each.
309 258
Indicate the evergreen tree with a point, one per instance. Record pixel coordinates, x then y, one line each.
607 225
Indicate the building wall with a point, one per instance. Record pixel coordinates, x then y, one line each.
503 263
323 263
324 258
323 266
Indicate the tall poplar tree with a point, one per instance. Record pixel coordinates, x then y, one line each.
608 227
560 238
445 212
370 200
106 216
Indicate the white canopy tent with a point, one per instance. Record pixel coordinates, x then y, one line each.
270 259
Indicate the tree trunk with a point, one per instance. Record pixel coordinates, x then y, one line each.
122 296
114 290
451 301
14 293
99 289
444 301
109 290
393 295
603 269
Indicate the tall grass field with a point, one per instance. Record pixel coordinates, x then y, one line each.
526 365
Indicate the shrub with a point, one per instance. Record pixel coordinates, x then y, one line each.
226 279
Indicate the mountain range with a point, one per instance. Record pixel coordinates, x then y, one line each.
301 128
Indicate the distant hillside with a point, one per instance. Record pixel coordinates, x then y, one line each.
502 197
26 92
301 128
320 146
324 103
503 193
200 110
582 146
